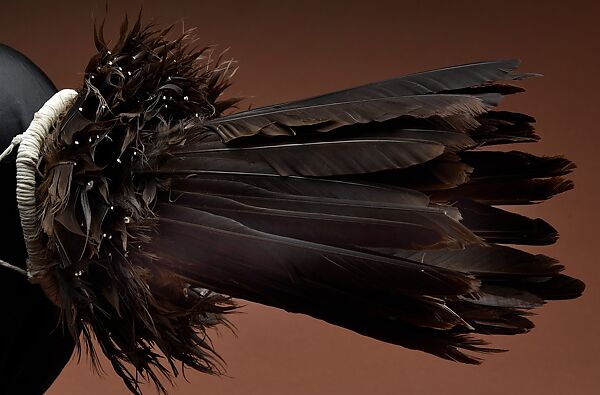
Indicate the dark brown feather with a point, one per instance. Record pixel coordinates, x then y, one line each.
368 208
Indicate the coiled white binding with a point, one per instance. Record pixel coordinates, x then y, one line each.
30 144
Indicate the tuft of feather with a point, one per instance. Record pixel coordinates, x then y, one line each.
369 208
97 210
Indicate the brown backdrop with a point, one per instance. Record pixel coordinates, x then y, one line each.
294 49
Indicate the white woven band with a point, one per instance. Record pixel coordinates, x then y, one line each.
28 156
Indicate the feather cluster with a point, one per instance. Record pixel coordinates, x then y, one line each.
138 99
371 208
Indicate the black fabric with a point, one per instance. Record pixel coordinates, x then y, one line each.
34 348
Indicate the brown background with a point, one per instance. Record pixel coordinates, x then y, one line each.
295 49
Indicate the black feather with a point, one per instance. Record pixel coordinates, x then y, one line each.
368 208
459 111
